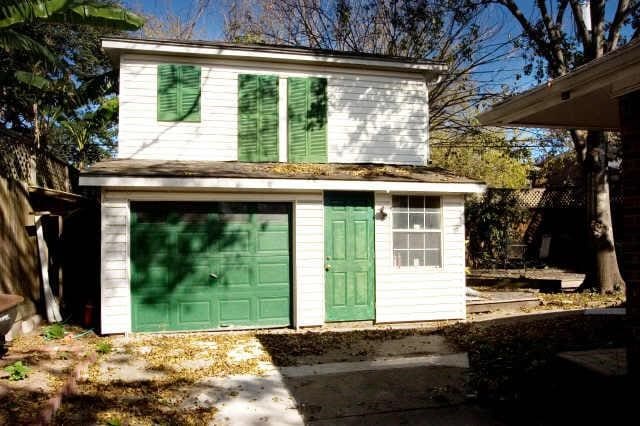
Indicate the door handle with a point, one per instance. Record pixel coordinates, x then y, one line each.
214 276
327 267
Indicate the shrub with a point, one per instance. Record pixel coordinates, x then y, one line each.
104 348
493 219
53 331
17 371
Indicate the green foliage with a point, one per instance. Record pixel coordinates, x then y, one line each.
53 71
17 371
486 156
493 220
104 348
54 331
114 422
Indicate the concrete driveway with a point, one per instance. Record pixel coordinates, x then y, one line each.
280 378
426 390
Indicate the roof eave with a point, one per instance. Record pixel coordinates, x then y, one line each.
616 74
115 47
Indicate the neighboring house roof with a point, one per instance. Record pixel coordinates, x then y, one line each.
114 46
125 171
585 98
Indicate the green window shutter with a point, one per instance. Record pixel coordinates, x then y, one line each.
167 92
297 120
317 121
257 118
178 92
268 117
189 93
307 121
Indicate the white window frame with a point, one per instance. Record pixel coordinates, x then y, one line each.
425 230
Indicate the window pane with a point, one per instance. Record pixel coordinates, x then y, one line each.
416 240
401 258
416 204
432 220
432 257
400 240
416 220
432 202
433 240
399 203
416 258
400 220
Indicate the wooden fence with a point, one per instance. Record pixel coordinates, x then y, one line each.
24 172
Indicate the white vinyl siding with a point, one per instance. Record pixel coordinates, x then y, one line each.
372 116
308 253
421 294
114 283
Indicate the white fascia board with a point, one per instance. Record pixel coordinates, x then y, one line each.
167 183
257 55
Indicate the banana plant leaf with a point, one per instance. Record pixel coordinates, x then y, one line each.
84 12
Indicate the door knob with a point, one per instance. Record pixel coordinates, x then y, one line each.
327 267
214 276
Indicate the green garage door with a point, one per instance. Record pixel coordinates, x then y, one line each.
201 266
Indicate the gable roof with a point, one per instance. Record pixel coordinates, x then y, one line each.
115 46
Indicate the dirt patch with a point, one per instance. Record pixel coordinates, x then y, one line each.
49 364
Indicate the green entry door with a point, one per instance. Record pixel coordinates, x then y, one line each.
349 251
202 266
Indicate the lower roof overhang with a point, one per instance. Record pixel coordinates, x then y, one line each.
235 176
586 98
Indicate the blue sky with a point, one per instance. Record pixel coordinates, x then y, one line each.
211 25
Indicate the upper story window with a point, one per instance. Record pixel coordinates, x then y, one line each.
307 119
178 92
257 117
417 231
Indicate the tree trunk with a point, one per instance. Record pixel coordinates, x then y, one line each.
602 272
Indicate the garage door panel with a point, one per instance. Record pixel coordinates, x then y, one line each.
231 241
234 311
175 252
155 278
276 308
194 313
152 316
273 241
234 276
273 273
189 278
194 243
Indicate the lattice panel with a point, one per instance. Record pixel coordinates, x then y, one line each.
16 163
556 198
